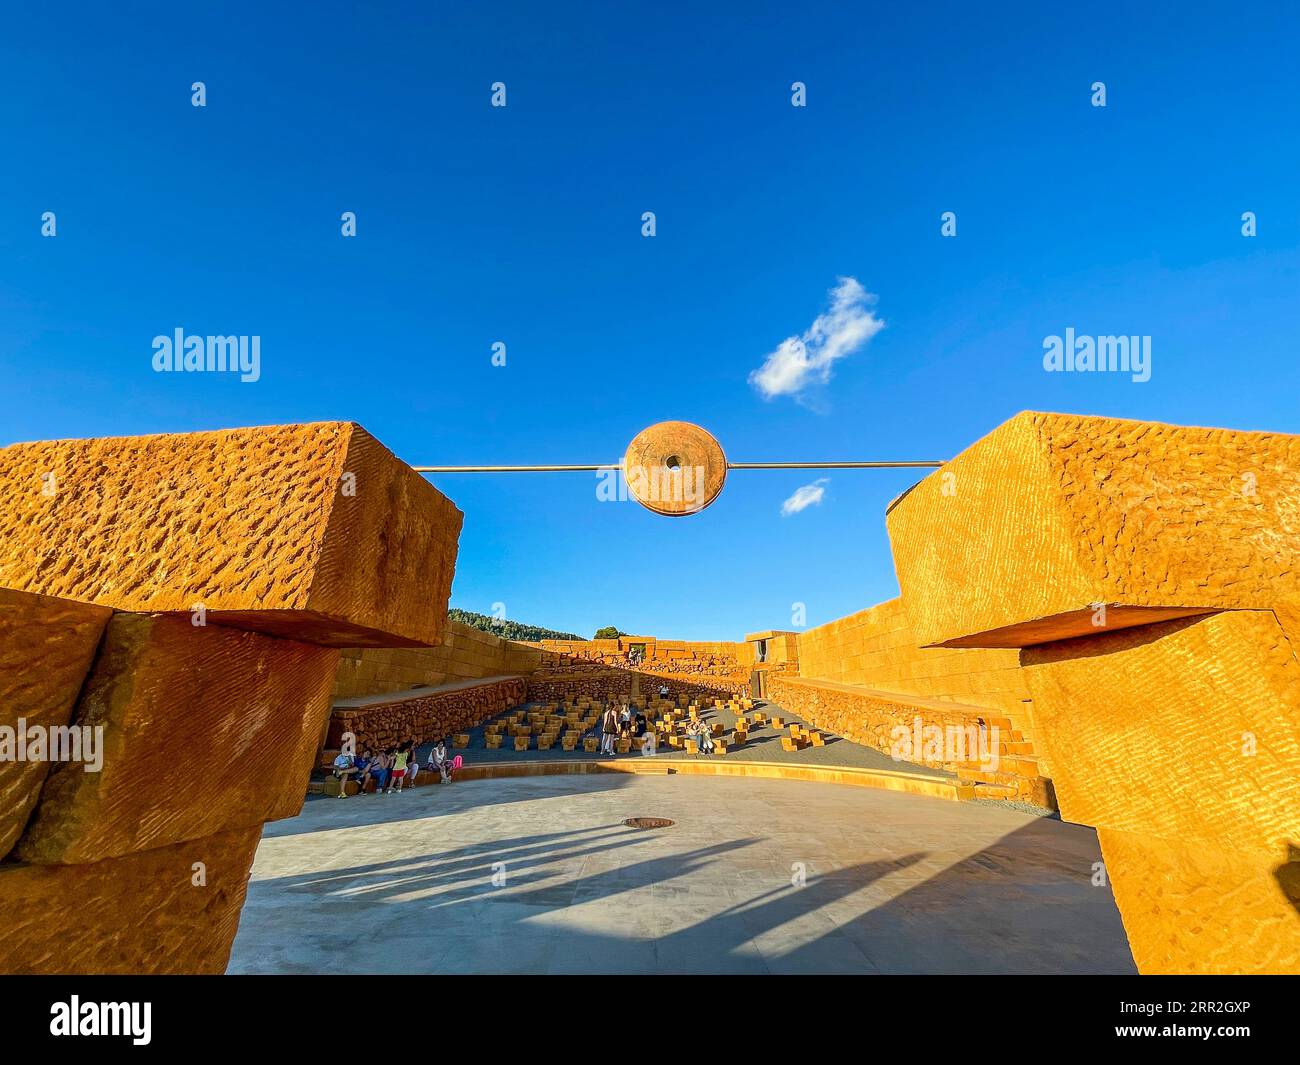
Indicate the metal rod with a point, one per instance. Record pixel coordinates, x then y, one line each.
829 465
730 466
512 469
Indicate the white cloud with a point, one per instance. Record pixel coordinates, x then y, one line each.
800 361
807 496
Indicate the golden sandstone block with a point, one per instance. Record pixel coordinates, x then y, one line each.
46 648
1019 538
209 728
204 729
1189 908
1147 571
1188 730
170 910
1180 742
313 532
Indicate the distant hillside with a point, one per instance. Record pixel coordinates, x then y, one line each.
509 630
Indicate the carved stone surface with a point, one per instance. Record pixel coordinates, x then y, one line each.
313 532
170 910
1023 535
46 647
204 729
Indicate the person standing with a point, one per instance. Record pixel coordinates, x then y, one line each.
608 729
400 758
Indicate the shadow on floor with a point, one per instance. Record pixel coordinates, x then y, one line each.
598 899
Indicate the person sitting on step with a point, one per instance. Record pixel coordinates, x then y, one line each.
378 771
413 765
438 760
702 734
344 769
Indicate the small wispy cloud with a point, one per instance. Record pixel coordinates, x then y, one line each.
804 360
808 495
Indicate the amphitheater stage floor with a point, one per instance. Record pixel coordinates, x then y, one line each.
539 875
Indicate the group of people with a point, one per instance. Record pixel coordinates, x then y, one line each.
618 721
392 767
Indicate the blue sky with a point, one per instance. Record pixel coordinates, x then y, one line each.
522 225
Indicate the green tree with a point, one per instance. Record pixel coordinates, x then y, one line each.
509 630
608 633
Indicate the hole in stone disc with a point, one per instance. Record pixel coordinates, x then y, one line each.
648 822
673 462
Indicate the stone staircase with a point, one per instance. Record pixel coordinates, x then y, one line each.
1016 776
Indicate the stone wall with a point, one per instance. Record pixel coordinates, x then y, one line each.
174 605
990 756
423 715
602 668
466 653
878 649
613 683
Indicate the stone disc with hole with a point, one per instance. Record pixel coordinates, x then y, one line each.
674 468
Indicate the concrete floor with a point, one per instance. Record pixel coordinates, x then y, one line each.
893 883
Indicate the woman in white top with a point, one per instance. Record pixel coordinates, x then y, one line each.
439 761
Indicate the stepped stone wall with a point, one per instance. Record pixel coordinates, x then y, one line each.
176 603
603 668
383 696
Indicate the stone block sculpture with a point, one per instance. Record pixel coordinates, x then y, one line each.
170 613
1147 573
